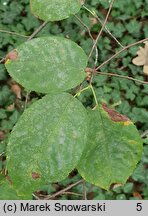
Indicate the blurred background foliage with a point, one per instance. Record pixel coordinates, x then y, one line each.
128 23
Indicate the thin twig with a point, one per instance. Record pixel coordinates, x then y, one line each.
26 100
124 77
13 33
84 190
42 197
118 42
106 29
90 70
29 37
38 30
2 153
120 51
144 134
63 190
35 196
2 60
102 28
87 28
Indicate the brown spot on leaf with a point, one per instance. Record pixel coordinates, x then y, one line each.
115 116
35 175
13 55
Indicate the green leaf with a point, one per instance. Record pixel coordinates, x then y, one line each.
47 64
54 10
128 187
6 191
113 149
3 113
2 148
47 142
3 75
139 173
133 27
121 197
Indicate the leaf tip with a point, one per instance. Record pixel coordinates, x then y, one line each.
13 55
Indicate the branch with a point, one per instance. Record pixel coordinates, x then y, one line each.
144 134
38 30
120 51
84 190
103 26
2 60
13 33
90 70
63 190
29 37
87 28
26 99
100 21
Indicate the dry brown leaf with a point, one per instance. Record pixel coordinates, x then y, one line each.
137 194
142 58
93 21
145 69
11 107
17 90
2 135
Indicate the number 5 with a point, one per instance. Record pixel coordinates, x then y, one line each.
139 207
